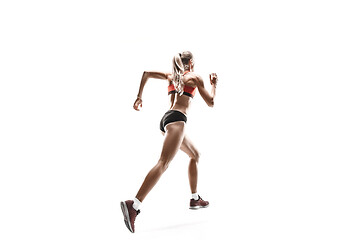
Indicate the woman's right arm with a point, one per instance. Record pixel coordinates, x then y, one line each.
146 75
208 97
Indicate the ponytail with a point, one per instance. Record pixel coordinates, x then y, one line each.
178 73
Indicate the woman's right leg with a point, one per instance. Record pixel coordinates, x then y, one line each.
173 138
188 147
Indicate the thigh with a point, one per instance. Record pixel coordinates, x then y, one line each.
173 138
189 148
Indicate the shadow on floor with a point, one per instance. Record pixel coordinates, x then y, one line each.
175 226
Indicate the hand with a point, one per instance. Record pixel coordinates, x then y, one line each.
137 103
213 79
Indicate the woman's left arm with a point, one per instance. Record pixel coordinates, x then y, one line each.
146 75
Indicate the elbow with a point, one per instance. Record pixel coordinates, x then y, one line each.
211 103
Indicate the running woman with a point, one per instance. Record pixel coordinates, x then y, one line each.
182 86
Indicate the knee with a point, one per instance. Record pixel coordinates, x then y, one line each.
195 157
163 164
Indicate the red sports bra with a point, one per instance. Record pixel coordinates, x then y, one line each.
188 91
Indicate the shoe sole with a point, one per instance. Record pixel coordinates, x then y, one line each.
198 207
126 216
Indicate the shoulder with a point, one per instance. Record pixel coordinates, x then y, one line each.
169 76
197 79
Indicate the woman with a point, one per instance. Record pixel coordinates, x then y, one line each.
184 83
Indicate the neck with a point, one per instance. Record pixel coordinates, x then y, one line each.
188 69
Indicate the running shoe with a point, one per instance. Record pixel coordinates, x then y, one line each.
197 204
129 214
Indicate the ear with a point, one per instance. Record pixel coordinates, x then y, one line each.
191 64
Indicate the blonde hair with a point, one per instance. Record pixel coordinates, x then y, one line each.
178 73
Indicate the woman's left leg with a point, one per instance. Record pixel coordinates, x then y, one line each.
173 139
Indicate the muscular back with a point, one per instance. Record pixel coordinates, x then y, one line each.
182 103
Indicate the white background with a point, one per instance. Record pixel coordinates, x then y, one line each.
280 149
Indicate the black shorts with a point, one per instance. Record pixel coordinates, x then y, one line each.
171 116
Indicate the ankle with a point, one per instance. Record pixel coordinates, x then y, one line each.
195 196
136 205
